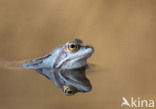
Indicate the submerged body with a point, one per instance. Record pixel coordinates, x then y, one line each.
65 66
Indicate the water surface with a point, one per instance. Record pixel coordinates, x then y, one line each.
122 32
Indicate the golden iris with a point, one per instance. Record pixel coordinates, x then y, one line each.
69 90
73 47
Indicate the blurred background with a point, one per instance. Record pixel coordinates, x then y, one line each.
122 32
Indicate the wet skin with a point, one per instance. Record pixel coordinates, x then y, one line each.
65 66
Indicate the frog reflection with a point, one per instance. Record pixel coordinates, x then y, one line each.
65 66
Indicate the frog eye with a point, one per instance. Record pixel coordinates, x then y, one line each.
73 47
69 90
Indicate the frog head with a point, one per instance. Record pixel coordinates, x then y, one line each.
74 55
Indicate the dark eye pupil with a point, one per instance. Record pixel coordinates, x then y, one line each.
72 46
70 92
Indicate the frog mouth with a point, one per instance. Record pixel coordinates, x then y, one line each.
84 56
77 58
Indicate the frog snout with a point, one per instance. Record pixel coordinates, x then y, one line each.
89 47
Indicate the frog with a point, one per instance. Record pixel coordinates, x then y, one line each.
65 66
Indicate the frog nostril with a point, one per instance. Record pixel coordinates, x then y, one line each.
88 46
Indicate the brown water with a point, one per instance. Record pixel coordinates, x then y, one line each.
122 32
